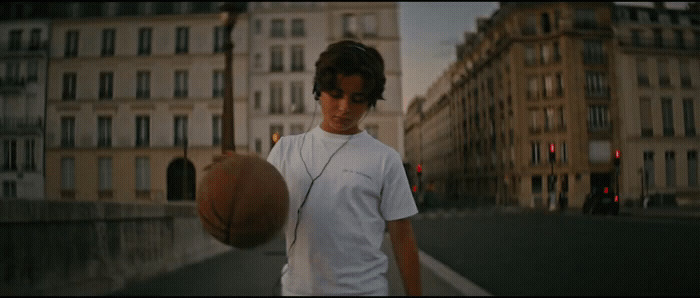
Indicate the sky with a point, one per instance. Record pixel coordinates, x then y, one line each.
429 33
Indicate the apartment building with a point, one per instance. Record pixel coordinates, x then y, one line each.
135 96
657 66
23 59
286 39
538 77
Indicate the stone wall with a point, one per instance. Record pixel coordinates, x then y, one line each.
94 248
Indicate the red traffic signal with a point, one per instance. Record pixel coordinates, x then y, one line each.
552 156
419 169
551 148
605 190
617 157
415 188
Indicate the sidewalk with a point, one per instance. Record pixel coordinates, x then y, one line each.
256 273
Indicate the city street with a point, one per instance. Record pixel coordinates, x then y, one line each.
566 254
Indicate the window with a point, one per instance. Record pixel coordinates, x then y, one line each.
219 35
277 28
645 119
108 42
143 174
257 100
298 29
68 132
276 98
297 94
9 189
562 119
105 174
68 86
217 84
180 84
548 119
257 62
544 53
564 153
689 117
664 78
535 152
670 168
369 25
530 58
257 26
548 86
276 64
649 169
216 130
180 131
530 26
35 39
697 40
585 19
667 113
104 131
71 49
560 84
145 41
12 73
276 132
15 42
598 118
546 27
29 155
349 25
10 155
106 85
556 53
658 38
684 71
182 40
534 114
297 58
143 84
68 173
593 52
692 168
636 37
143 131
372 130
642 73
32 71
536 184
532 88
680 41
596 84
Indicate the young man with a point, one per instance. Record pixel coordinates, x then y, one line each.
345 188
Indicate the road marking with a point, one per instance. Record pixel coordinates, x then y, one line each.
463 285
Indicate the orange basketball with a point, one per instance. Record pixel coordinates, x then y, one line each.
242 201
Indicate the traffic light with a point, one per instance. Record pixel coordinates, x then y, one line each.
617 157
552 153
419 169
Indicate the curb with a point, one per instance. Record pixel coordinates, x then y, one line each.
463 285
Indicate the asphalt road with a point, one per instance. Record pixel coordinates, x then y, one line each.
567 254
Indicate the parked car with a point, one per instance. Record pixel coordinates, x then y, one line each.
601 202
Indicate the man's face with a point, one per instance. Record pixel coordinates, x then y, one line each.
343 108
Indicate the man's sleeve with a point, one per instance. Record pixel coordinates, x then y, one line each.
397 200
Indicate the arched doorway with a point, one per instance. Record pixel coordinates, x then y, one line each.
181 183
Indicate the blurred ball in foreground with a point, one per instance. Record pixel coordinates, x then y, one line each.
242 201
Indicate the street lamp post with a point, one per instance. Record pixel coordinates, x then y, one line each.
229 16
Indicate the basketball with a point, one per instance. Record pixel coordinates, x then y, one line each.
242 201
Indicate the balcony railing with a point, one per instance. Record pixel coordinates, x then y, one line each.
21 125
600 93
656 43
12 86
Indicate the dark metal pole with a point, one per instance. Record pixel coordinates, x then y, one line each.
228 138
185 190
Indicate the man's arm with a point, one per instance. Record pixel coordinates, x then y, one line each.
406 252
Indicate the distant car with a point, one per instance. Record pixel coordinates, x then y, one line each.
601 202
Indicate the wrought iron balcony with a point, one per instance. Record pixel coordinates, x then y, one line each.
21 125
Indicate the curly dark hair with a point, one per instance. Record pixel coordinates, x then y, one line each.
349 57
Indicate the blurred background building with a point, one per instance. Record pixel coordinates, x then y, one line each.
131 93
543 95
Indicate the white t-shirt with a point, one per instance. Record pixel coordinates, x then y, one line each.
341 226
